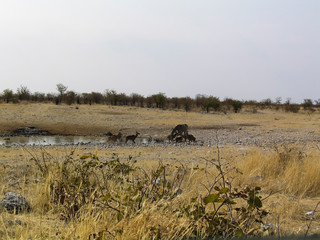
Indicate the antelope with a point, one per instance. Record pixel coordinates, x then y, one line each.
132 137
191 138
114 138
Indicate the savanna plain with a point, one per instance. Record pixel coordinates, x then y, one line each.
253 173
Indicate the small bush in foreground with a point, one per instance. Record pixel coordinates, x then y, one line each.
115 192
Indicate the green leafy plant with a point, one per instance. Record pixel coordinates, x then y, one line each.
225 211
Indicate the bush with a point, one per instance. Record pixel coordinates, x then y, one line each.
118 191
294 108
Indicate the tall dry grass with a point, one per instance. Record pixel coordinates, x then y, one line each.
288 176
289 169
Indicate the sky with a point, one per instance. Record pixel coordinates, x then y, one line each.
247 50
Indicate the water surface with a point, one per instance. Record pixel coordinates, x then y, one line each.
52 140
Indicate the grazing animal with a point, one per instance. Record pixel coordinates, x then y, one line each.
180 130
114 138
170 138
132 137
109 134
179 139
191 138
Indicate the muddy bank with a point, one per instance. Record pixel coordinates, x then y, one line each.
28 131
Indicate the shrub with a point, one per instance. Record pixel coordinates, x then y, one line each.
225 211
294 108
86 185
236 104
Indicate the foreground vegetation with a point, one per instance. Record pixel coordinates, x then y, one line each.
109 194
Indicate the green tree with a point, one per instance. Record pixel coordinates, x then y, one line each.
111 97
8 95
187 103
307 104
160 100
235 104
208 102
136 99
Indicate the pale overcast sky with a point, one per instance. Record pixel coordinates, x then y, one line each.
243 49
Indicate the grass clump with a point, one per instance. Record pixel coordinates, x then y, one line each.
123 200
289 169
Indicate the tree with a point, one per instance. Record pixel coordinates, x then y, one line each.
149 101
214 103
235 104
97 97
266 103
7 95
187 103
111 97
61 89
136 99
23 93
70 97
175 102
278 100
307 104
207 102
160 99
123 99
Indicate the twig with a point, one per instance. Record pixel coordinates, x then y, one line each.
311 220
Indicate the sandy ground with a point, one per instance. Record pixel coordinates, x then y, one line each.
246 128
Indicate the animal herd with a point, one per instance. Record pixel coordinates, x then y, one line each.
178 134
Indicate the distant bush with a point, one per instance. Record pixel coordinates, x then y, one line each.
208 102
294 108
307 104
235 104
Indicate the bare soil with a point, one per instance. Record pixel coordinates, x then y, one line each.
246 128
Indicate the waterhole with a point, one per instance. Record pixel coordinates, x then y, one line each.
57 140
51 140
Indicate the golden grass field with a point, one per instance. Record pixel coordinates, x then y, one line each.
287 173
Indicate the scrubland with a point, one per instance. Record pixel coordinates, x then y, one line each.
162 190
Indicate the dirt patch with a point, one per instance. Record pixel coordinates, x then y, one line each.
225 126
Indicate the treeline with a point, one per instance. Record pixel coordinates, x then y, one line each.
159 100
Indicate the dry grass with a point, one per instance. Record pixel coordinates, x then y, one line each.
293 189
63 119
289 175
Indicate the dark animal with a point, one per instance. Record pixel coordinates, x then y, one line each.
114 138
109 134
170 138
180 130
132 137
179 139
191 138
